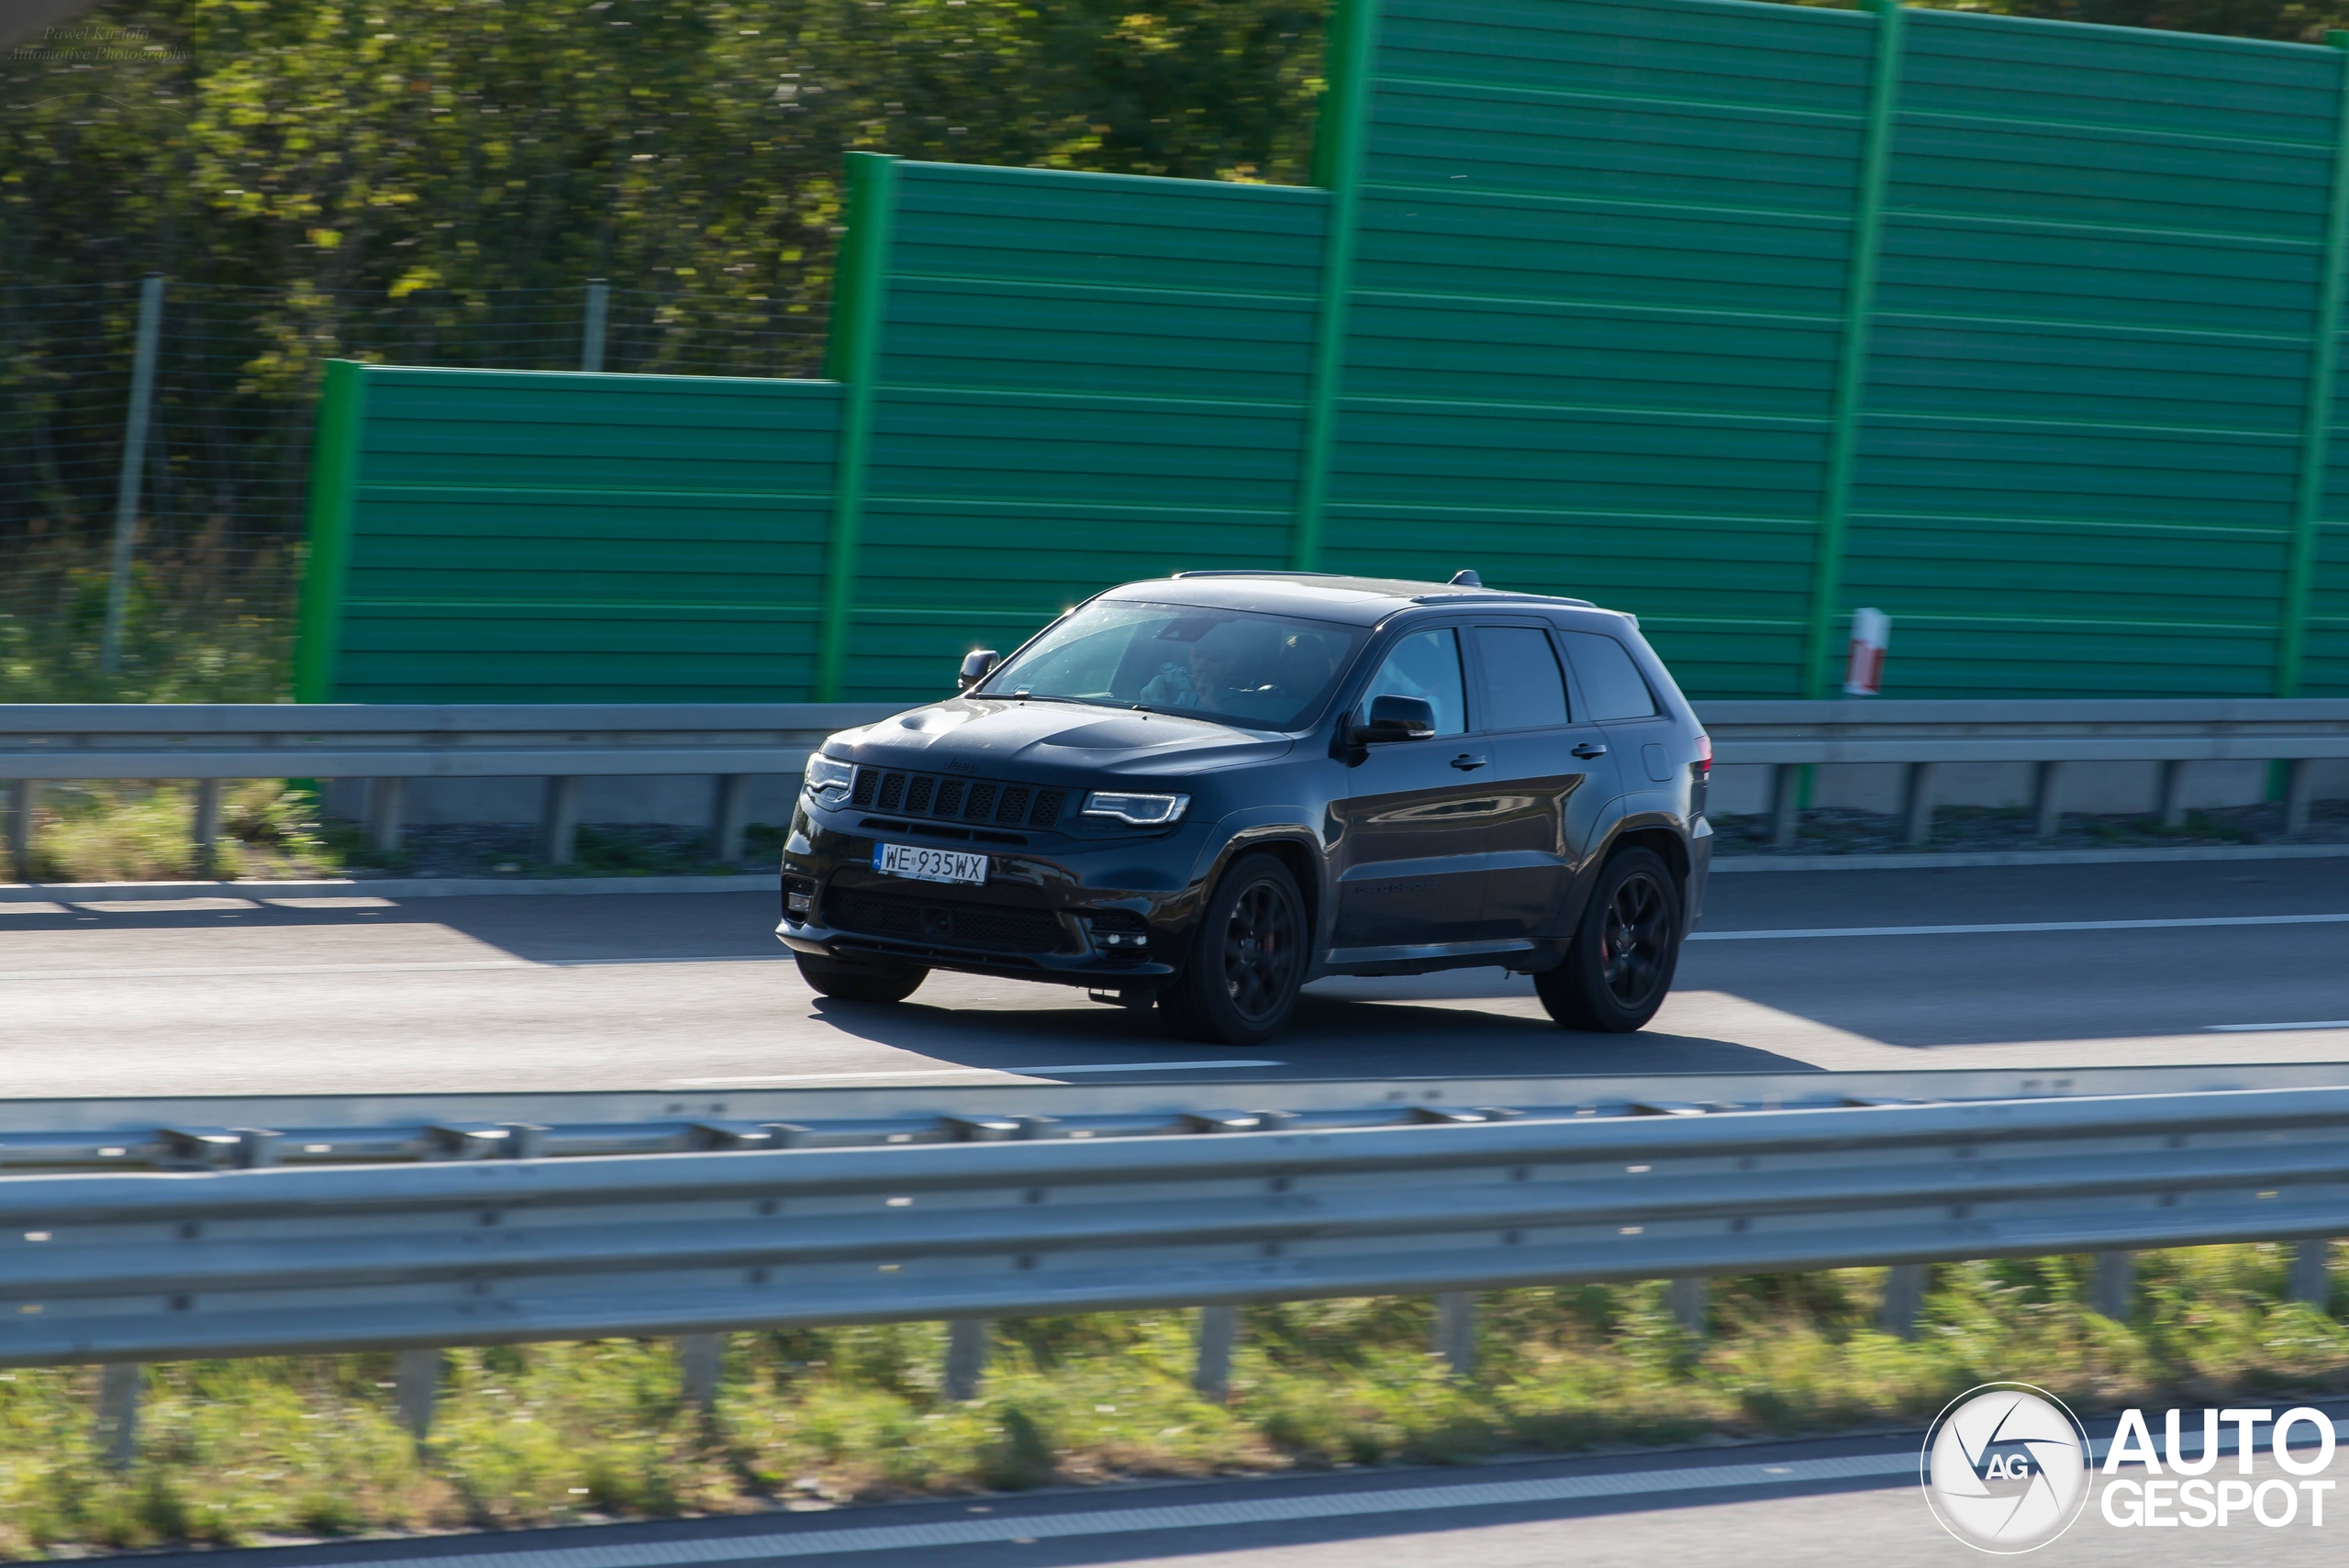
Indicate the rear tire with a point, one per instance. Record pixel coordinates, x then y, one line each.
1247 960
1619 967
853 981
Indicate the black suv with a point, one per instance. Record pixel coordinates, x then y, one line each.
1199 794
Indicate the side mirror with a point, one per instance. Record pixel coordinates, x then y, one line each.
1396 717
977 666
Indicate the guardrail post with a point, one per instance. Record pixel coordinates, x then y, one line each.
2299 793
118 1390
206 828
417 1388
966 1358
24 807
2114 1284
729 809
2312 1272
1688 1298
386 812
1455 1330
1218 1328
559 825
1904 1297
700 1359
2047 799
1916 802
2173 793
1786 804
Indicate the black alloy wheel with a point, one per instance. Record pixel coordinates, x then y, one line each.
1247 960
1619 967
1635 938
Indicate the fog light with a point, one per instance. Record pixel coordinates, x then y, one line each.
799 902
1120 933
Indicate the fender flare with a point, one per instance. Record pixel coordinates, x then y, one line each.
1255 827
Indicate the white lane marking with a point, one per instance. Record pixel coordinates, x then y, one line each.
962 1072
161 905
804 1541
2190 923
1142 1067
2272 1029
450 965
260 969
361 902
734 1079
708 958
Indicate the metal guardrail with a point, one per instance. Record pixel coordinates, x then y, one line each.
154 1266
391 744
257 1131
730 743
1921 735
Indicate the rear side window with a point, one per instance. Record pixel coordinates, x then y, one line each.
1426 664
1613 687
1523 686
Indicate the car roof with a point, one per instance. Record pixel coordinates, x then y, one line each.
1318 596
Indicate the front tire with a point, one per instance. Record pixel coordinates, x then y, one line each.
878 982
1247 960
1619 967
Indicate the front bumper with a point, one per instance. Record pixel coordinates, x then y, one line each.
1052 909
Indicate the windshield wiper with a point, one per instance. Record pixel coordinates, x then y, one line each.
1052 696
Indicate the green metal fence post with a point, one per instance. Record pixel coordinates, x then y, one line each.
334 489
1338 141
2316 426
851 358
1852 367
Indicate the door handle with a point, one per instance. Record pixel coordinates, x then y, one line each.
1467 763
1589 749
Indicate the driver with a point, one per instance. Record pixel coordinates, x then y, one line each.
1223 666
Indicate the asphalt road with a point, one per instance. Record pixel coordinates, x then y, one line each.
641 991
1782 1505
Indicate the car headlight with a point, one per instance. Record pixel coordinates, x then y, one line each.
828 778
1140 810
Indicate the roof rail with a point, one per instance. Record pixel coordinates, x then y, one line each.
1250 572
1501 594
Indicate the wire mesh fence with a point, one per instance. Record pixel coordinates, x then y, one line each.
215 529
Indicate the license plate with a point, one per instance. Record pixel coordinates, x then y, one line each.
930 865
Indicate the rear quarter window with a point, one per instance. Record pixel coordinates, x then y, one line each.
1613 687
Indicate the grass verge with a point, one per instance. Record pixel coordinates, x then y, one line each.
256 1450
141 832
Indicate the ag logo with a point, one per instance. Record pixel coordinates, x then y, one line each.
2005 1467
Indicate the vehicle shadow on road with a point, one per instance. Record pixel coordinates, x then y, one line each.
1328 1036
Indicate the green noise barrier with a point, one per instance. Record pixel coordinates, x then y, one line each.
1734 316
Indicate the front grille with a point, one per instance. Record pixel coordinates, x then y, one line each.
991 927
933 796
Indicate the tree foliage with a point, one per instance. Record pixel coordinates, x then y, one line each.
414 145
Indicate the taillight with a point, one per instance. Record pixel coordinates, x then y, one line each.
1704 755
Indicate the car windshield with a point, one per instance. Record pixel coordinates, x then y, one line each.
1259 671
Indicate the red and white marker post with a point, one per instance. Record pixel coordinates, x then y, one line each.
1871 634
